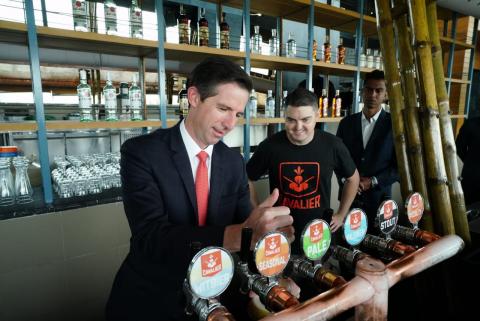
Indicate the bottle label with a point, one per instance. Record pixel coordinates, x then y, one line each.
203 36
84 98
338 106
136 17
183 33
111 13
272 253
110 98
225 39
79 8
387 216
316 238
341 55
183 106
135 99
327 53
355 226
325 107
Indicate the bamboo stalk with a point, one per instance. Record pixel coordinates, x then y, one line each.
412 122
448 140
437 176
394 89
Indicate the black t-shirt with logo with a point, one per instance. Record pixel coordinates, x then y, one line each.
302 174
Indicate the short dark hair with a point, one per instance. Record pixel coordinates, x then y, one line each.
375 75
211 72
302 97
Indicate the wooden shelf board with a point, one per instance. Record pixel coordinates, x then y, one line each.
458 81
279 63
193 53
459 45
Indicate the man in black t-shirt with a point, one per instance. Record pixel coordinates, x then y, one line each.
300 161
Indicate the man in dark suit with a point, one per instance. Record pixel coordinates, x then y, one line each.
166 207
368 136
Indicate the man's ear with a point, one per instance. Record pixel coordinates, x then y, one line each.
193 96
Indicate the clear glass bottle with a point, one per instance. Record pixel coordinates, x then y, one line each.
341 52
183 100
284 104
110 96
203 29
377 62
337 104
369 58
124 101
270 105
23 188
363 60
224 33
135 95
256 41
327 50
7 193
291 46
110 11
136 21
324 111
80 16
274 44
253 104
84 98
183 27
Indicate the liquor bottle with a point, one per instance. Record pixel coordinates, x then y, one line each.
110 95
291 46
84 98
203 29
136 22
284 104
274 43
416 236
327 49
253 104
110 9
363 60
183 27
80 22
135 96
314 50
369 58
337 104
183 101
377 61
324 112
270 105
389 247
224 33
341 52
256 41
124 102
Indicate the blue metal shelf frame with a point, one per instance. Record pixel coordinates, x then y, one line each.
470 67
451 52
358 48
246 127
162 79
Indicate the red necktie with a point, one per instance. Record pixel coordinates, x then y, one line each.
201 188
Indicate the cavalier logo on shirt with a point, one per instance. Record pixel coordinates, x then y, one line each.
299 183
211 263
272 245
316 232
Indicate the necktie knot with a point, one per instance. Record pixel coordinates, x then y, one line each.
202 156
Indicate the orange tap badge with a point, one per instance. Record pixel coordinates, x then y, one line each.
211 263
355 220
316 232
272 253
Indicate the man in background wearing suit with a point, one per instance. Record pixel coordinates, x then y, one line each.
182 185
368 136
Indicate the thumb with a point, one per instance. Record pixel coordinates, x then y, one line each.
271 199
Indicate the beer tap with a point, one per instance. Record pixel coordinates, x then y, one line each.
316 238
347 256
271 256
209 274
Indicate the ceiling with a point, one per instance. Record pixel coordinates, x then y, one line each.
466 7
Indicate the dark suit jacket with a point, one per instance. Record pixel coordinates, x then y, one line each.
468 149
160 204
376 159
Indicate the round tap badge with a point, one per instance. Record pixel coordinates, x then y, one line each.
316 239
210 272
387 216
415 207
355 226
272 253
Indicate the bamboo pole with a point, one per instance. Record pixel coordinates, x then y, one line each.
412 122
437 176
394 89
448 140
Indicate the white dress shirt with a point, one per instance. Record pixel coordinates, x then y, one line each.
367 126
193 149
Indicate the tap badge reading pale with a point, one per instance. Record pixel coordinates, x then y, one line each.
272 253
316 238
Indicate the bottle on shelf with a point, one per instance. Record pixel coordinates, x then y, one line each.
314 50
337 104
363 60
135 96
124 102
377 61
203 29
274 43
270 105
136 22
183 101
284 104
110 11
80 20
84 98
256 41
253 104
183 27
341 52
323 104
224 33
110 96
291 46
327 49
369 58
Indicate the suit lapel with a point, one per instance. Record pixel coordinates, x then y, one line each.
357 130
184 168
216 183
377 130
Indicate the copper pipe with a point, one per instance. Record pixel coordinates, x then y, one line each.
220 314
278 299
